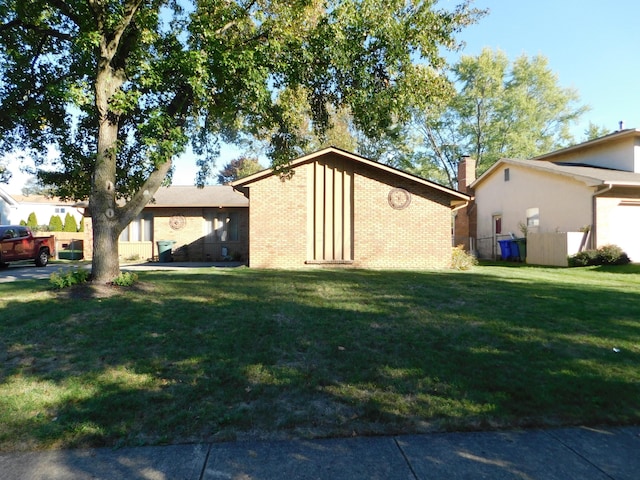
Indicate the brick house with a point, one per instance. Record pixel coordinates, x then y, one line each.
203 224
333 208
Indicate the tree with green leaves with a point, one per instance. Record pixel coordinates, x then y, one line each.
33 187
238 168
338 129
594 131
32 221
5 174
70 223
501 109
120 87
55 224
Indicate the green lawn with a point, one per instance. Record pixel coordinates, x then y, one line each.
217 354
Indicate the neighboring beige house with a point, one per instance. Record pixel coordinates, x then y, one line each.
202 224
558 197
336 208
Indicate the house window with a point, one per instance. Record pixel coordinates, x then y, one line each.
533 217
506 174
222 227
140 230
60 210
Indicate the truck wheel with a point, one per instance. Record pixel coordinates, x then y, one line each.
43 258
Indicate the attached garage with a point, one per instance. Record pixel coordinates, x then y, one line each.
624 227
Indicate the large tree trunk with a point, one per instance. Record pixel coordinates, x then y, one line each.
106 230
109 219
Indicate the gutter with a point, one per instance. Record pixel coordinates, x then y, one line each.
461 206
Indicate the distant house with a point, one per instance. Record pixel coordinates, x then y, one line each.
202 224
587 195
16 208
335 208
8 208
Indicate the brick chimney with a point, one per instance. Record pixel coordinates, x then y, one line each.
466 218
466 173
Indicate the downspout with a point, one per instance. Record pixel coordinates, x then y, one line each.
460 207
453 218
594 228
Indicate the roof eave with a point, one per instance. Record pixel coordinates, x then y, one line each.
589 181
631 132
357 158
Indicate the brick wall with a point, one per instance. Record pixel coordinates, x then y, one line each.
465 229
277 221
191 242
416 237
87 247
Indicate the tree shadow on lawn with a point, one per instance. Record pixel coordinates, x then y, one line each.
317 353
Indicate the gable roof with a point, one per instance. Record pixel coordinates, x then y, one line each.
191 196
7 198
459 196
590 176
41 200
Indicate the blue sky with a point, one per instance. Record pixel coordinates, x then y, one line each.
591 45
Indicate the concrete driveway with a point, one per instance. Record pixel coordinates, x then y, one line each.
28 271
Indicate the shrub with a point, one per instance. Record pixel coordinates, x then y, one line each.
125 279
70 223
461 260
69 278
584 258
55 223
32 221
612 255
606 255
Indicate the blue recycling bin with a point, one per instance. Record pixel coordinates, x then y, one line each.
505 249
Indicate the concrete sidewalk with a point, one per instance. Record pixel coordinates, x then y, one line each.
571 453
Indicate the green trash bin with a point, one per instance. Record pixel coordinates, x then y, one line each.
522 248
164 250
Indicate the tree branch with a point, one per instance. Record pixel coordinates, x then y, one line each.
66 11
35 28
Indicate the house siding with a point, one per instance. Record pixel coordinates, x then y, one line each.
618 221
564 205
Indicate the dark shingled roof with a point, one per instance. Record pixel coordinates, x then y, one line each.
209 196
